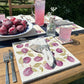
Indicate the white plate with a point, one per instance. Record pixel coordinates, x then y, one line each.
29 27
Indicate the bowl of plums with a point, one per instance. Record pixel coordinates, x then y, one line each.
14 27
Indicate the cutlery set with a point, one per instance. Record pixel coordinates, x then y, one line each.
44 49
6 58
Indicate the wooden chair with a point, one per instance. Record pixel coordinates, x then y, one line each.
17 6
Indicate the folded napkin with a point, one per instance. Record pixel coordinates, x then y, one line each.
39 45
62 22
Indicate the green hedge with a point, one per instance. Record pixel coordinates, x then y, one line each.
68 9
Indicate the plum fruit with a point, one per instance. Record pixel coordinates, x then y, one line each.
46 65
24 23
12 26
6 19
59 50
24 50
28 71
26 59
19 46
12 19
26 45
25 26
0 23
7 24
16 22
59 63
20 28
3 30
12 30
47 40
55 44
37 58
71 59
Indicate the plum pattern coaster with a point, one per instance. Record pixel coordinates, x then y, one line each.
32 65
63 42
74 28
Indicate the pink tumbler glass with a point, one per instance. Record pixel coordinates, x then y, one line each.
65 33
39 12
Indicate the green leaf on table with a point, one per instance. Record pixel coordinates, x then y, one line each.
60 59
62 54
51 37
29 51
19 52
34 70
44 62
52 50
30 54
20 60
41 68
37 64
39 55
65 57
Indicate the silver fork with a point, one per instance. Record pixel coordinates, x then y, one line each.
6 60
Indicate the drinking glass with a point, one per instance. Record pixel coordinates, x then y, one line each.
65 33
39 12
51 28
2 16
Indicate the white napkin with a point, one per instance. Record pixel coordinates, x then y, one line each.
62 22
45 50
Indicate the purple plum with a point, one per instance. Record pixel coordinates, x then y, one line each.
19 46
37 59
26 59
69 58
26 45
28 71
47 66
47 40
24 50
55 44
59 50
59 63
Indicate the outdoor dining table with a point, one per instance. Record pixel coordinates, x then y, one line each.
62 77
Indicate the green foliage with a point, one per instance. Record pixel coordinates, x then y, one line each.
67 9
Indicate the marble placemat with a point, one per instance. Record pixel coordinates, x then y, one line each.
32 65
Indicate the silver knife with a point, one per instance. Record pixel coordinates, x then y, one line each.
12 66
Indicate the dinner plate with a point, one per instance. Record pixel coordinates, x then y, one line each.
29 27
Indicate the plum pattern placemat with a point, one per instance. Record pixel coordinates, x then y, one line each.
74 28
32 65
